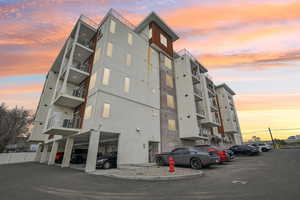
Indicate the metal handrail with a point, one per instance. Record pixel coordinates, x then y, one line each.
88 21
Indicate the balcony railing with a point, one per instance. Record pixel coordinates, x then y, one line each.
200 111
85 42
57 121
198 92
82 67
88 21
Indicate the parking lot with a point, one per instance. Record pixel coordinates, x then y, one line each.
272 175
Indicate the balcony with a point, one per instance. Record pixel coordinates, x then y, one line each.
199 112
71 98
198 94
59 125
213 105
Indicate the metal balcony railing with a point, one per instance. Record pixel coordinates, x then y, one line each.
200 111
56 121
85 42
88 21
198 92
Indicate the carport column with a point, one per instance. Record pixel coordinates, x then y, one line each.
44 153
68 152
92 151
38 152
53 153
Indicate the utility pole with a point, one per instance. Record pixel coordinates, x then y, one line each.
272 138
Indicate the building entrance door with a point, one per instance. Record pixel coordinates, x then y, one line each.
153 150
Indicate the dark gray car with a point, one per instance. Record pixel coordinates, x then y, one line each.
191 157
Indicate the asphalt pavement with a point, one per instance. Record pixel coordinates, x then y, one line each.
272 175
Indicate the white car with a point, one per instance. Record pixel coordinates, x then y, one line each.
262 147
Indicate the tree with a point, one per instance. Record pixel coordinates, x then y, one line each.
13 122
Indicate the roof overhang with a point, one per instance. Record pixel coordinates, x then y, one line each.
227 88
153 17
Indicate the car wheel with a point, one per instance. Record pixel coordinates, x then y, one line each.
106 165
159 162
263 149
196 163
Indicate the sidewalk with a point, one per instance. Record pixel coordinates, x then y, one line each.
148 172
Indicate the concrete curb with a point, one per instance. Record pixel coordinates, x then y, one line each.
152 178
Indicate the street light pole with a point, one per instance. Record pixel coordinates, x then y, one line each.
272 138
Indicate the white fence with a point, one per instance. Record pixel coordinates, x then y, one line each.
7 158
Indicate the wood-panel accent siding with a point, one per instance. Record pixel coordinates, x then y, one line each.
156 31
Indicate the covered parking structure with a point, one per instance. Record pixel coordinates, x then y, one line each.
79 151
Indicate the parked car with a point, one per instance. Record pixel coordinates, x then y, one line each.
191 157
106 161
262 147
230 153
59 157
79 156
244 150
223 156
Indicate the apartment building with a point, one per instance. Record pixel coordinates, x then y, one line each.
116 87
230 126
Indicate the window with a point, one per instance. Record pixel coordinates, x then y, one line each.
168 62
150 33
106 75
169 81
109 49
170 101
93 81
112 26
128 59
88 112
126 84
129 38
171 125
106 110
97 55
163 40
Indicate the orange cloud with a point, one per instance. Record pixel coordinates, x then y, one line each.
268 102
256 60
17 89
216 15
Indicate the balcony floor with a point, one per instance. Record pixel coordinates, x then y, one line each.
68 101
61 131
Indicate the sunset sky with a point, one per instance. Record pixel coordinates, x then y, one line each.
252 45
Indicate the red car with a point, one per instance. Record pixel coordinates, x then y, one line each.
59 157
221 153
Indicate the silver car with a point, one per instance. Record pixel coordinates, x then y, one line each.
191 157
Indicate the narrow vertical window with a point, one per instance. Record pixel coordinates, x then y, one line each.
109 49
171 125
170 101
129 39
150 33
112 26
168 62
88 112
106 75
169 81
128 59
126 84
106 110
163 40
93 81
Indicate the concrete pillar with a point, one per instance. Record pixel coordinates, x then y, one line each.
68 152
38 153
92 151
44 153
53 152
